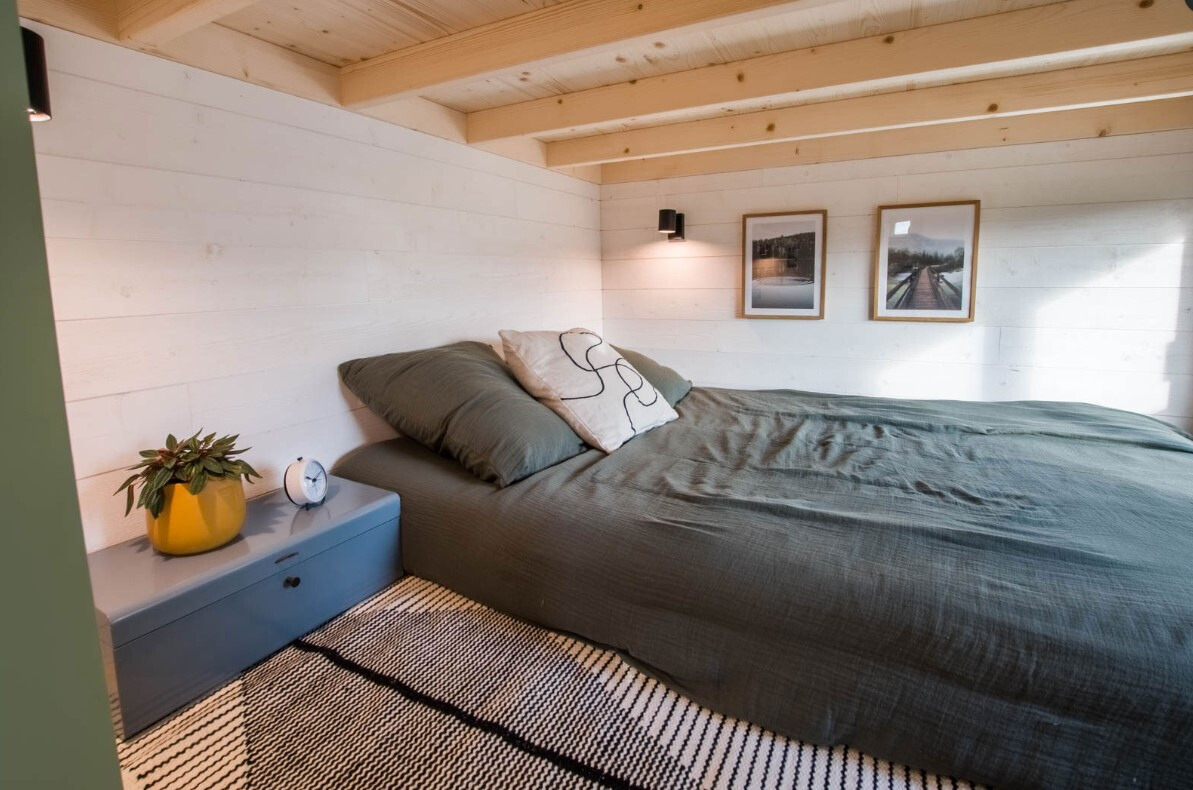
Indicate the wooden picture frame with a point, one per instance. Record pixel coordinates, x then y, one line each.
933 276
783 271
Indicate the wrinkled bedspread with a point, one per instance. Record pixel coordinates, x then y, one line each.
1001 592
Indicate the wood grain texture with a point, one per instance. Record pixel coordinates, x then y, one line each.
210 47
536 35
811 23
1085 287
201 280
231 53
1163 76
340 32
1026 33
1092 122
155 22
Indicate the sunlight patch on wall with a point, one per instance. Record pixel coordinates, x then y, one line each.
1116 338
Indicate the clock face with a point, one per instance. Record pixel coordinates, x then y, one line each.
314 481
306 482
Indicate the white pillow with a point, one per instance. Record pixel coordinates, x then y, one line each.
586 382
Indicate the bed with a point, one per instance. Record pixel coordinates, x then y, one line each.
1001 592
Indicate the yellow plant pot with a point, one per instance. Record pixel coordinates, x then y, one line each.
192 523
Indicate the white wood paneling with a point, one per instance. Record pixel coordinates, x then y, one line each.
1085 277
216 249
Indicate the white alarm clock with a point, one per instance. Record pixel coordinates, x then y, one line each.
306 482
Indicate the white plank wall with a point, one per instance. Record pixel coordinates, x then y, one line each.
217 248
1085 277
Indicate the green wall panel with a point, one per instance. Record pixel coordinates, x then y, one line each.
54 725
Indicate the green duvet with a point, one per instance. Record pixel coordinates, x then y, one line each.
999 592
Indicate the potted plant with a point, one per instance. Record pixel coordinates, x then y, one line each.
192 492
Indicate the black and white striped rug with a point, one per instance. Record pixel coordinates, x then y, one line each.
420 687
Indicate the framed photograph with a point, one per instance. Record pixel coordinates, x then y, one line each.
925 262
783 264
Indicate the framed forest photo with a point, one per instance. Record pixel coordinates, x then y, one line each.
925 262
783 264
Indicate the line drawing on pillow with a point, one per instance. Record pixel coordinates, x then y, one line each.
620 367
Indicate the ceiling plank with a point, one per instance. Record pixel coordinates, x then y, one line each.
221 50
1031 32
156 22
211 48
91 18
536 35
1132 80
1089 122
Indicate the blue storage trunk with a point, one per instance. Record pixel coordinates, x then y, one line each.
174 628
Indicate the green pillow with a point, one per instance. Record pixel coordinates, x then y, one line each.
460 400
672 386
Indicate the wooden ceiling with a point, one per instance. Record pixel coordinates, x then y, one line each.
617 90
340 32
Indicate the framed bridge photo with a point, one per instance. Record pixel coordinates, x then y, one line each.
925 262
783 264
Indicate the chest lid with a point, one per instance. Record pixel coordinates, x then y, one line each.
138 590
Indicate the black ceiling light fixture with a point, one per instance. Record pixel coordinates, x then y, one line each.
35 72
671 223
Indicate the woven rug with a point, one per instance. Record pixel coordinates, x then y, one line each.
419 687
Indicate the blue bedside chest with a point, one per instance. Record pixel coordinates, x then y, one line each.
174 628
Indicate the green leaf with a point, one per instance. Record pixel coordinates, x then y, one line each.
192 462
156 504
127 483
160 478
198 483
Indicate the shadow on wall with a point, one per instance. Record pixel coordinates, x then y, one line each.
1179 360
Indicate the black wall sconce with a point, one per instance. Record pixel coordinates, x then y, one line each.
35 72
671 223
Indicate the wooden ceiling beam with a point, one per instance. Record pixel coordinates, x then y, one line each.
156 22
1133 80
1031 32
222 50
536 35
213 48
1089 122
